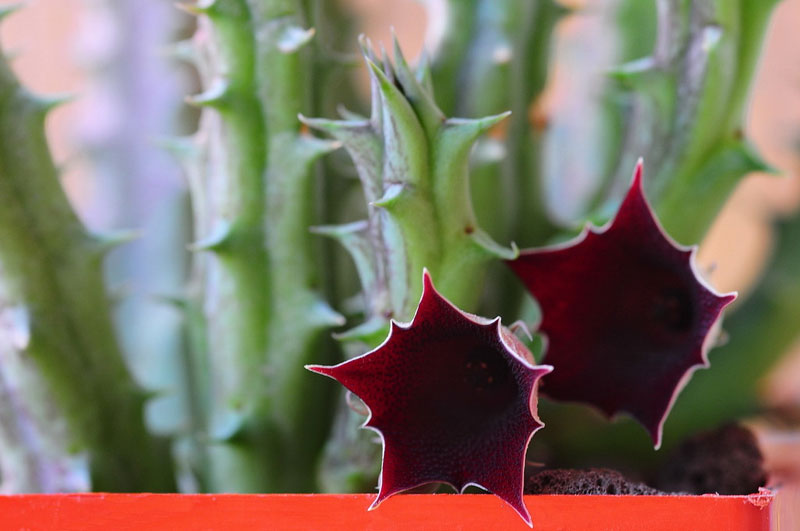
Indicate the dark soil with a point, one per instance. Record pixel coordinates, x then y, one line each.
590 481
724 461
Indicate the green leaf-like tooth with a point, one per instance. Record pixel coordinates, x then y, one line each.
428 113
108 241
349 115
215 96
355 238
492 249
293 38
424 75
218 240
405 150
363 145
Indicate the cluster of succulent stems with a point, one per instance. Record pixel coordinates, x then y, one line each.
450 179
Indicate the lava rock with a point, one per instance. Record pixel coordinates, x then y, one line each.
589 481
723 461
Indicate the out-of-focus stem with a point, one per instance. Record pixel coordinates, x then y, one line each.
53 268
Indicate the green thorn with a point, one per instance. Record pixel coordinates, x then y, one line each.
309 148
633 73
430 114
472 128
390 197
108 241
493 249
217 240
340 231
214 96
292 38
348 132
349 115
424 74
324 316
756 163
366 48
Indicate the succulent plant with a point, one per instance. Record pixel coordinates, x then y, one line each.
624 316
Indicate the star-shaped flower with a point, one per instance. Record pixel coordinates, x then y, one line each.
453 397
626 316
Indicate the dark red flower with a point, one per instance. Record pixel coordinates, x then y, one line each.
453 396
626 316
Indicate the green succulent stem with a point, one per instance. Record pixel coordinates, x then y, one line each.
265 318
413 164
53 268
685 107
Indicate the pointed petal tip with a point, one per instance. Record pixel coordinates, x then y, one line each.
325 370
637 173
426 278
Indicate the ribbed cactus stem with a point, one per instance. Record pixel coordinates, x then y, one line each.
228 198
265 319
686 109
35 450
494 57
299 318
53 268
413 164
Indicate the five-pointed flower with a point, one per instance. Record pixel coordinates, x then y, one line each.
453 397
626 316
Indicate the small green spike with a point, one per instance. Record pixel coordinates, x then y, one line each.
429 114
632 74
491 248
466 130
309 148
108 241
363 145
354 237
220 236
322 315
349 115
424 75
386 65
293 38
214 96
391 196
349 132
405 149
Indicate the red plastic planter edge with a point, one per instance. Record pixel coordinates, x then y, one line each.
348 512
